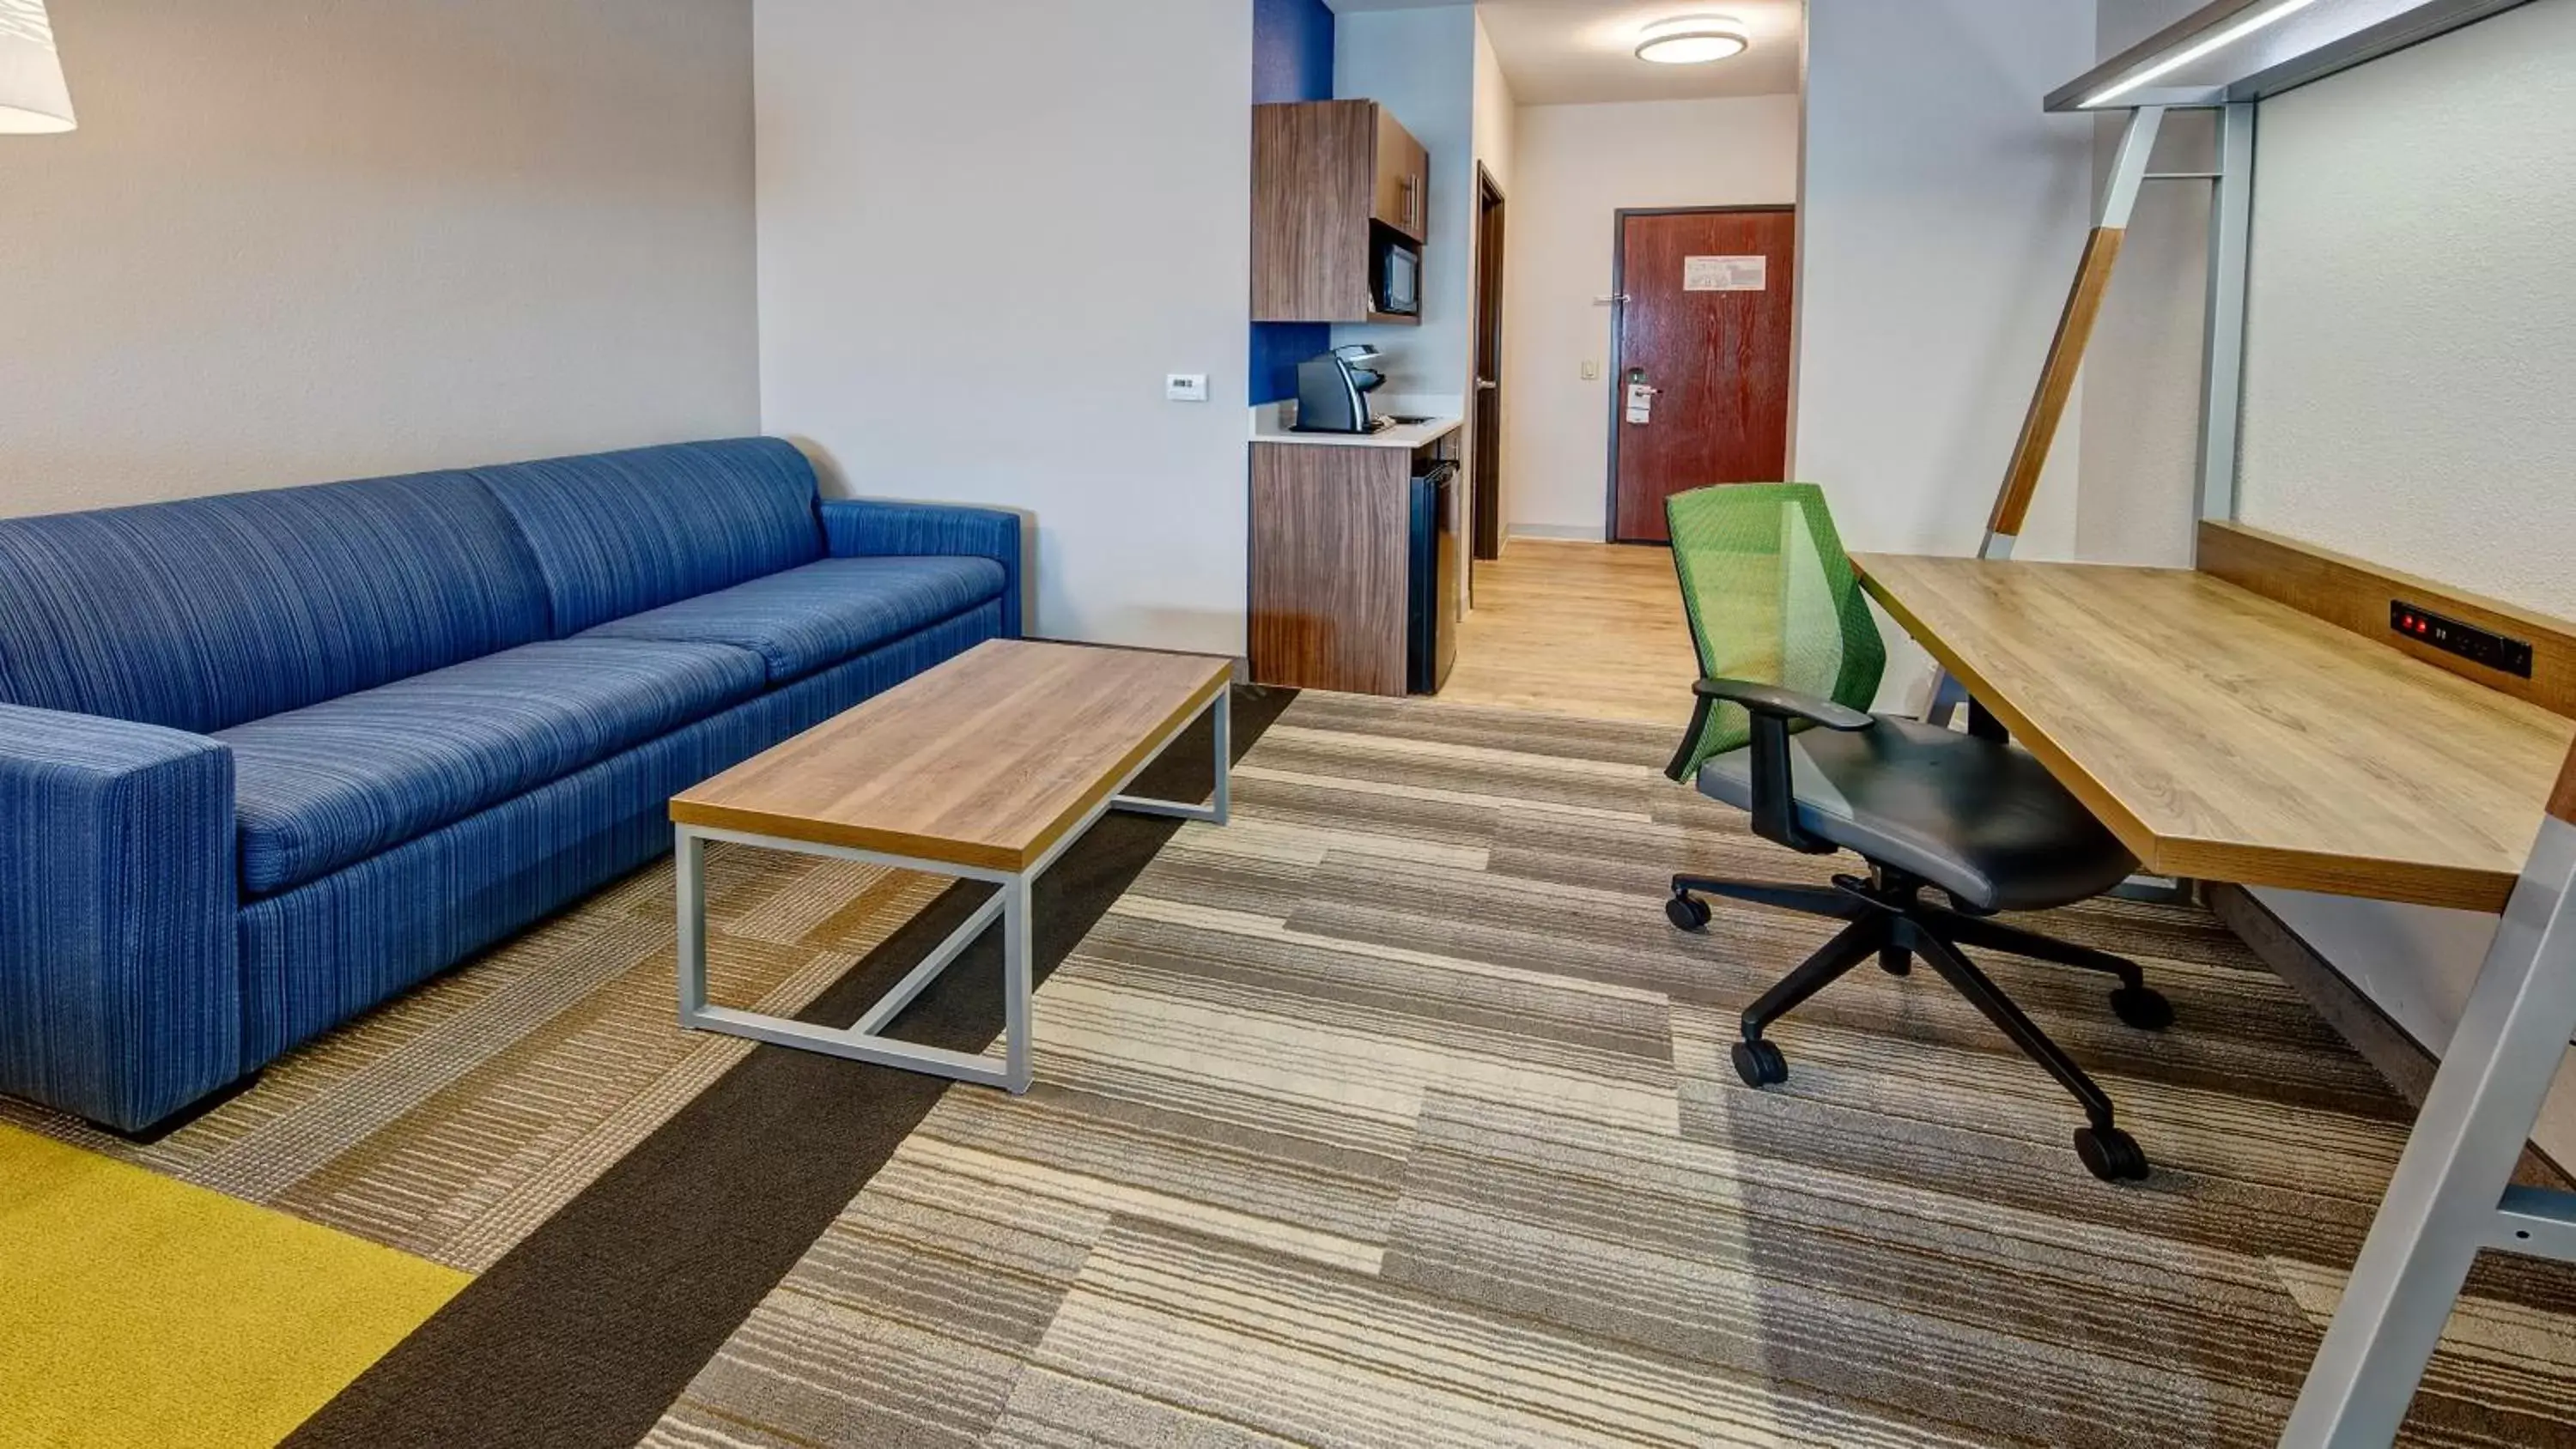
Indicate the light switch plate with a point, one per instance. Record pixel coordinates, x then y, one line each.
1591 369
1185 387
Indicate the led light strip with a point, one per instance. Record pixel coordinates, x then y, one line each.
2227 37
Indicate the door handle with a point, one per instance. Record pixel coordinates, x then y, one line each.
1486 384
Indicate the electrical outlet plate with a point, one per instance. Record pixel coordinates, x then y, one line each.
1185 387
2481 646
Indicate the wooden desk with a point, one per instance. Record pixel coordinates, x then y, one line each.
2225 737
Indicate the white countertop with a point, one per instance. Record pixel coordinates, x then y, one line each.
1268 427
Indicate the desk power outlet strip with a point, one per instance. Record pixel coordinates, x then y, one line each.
2480 646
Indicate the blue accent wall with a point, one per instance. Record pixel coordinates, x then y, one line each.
1277 348
1292 60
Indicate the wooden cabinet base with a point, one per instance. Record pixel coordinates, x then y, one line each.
1330 571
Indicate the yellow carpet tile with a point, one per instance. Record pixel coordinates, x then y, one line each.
142 1311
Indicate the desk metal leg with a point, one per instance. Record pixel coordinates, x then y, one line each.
2449 1198
1948 694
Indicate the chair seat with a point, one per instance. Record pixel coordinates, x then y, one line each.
1978 818
805 620
334 783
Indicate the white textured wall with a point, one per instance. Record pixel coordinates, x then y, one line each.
1576 167
1943 214
300 240
978 261
1497 113
1421 65
2411 355
2412 326
1941 217
2140 448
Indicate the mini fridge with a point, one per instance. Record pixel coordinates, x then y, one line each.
1437 553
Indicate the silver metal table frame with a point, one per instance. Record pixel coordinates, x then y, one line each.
864 1040
2452 1195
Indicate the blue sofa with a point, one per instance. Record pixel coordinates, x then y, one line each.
269 759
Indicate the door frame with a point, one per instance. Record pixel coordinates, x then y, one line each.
1486 509
1619 337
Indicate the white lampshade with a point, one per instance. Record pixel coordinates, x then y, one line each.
33 97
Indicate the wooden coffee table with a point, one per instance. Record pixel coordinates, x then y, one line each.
986 768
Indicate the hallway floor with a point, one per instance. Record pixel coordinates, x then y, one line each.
1591 629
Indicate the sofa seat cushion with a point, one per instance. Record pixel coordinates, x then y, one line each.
808 619
337 782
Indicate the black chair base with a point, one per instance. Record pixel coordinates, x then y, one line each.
1892 924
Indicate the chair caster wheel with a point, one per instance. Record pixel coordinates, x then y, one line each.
2143 1007
2110 1154
1760 1064
1687 912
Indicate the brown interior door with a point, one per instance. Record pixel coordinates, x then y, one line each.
1486 405
1704 330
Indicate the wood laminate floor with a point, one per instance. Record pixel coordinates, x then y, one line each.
1589 629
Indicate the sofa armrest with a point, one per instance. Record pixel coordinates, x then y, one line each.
120 987
866 527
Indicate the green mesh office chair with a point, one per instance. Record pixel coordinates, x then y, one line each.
1790 659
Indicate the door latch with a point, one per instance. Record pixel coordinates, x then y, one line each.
1641 398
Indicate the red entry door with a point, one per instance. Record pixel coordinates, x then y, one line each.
1701 390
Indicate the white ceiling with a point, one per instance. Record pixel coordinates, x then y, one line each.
1561 52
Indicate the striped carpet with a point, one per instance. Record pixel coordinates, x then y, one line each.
1395 1114
454 1121
1391 1114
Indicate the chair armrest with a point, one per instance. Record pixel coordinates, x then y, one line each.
1772 699
120 984
872 528
1775 795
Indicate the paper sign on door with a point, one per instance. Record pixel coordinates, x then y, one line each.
1726 274
1641 403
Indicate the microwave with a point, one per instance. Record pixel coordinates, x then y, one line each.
1395 275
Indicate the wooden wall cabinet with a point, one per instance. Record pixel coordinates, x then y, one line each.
1323 174
1402 192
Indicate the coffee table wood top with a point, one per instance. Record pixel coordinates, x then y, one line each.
984 761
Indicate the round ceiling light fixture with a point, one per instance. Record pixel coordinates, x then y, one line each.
1692 40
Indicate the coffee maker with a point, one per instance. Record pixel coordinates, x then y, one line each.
1333 389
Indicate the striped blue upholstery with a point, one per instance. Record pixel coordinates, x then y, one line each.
812 618
208 612
349 777
320 954
119 997
268 759
870 528
619 533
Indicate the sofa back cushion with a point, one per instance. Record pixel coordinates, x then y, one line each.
204 613
619 533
